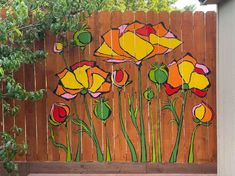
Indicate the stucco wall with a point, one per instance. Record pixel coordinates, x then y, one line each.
226 88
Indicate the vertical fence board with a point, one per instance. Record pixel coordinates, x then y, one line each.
51 70
187 38
20 120
41 114
176 28
211 63
30 114
199 53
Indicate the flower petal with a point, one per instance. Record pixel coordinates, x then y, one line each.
171 43
82 63
198 81
81 75
199 111
111 38
133 45
60 91
134 26
208 114
105 87
68 79
188 57
174 77
186 69
146 30
160 29
171 90
203 67
199 93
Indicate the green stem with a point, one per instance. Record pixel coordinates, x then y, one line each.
98 149
174 153
128 140
142 132
191 149
78 154
154 157
108 153
159 123
69 154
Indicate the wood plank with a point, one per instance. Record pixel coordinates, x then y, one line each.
200 145
164 121
152 18
116 168
176 28
212 99
51 82
20 120
30 114
187 38
129 17
119 143
41 114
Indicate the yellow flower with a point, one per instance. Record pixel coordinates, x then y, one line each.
187 74
203 112
136 42
84 77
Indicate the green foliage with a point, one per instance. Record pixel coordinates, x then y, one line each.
22 24
191 7
140 5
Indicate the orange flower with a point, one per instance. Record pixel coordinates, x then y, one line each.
136 42
187 74
203 113
83 77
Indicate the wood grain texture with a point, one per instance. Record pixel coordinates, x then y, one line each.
196 30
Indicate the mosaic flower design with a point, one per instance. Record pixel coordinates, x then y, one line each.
187 74
136 42
83 77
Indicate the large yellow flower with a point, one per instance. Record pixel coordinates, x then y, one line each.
83 77
187 74
136 42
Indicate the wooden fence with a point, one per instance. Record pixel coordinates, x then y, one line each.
198 33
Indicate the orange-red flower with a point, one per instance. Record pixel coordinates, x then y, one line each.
203 112
187 74
58 114
120 78
136 42
83 77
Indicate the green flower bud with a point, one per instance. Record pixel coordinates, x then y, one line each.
148 94
102 109
158 73
82 38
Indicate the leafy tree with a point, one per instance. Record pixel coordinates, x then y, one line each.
23 23
140 5
191 7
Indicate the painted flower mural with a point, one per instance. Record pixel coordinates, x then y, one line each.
203 116
202 113
126 42
83 77
59 115
130 43
187 74
137 42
